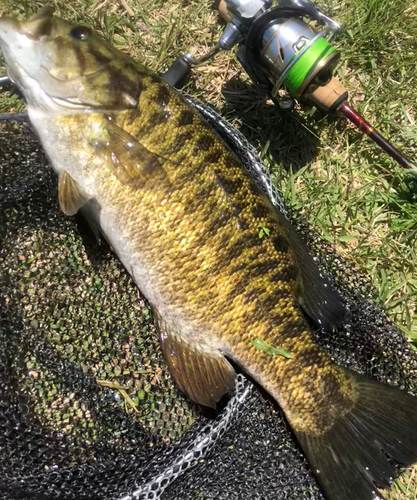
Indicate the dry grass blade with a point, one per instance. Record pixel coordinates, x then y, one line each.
127 8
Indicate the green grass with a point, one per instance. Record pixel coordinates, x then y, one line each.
358 198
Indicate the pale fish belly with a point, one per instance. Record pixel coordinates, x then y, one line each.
69 150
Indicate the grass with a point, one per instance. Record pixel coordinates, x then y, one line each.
359 199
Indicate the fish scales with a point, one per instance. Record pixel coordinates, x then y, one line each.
203 253
188 222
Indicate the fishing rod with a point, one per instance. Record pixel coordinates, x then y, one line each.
281 51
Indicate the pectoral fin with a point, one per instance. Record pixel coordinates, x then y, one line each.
130 161
71 197
202 373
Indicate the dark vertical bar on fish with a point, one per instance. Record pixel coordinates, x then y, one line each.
365 127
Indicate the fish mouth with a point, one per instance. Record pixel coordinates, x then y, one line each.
8 25
9 28
18 49
33 29
20 44
9 46
34 63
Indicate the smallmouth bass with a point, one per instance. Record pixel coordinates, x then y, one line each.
184 216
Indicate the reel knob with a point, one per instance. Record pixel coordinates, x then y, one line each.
178 74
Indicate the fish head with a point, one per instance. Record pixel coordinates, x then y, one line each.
67 68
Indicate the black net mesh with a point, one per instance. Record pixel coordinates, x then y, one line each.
87 407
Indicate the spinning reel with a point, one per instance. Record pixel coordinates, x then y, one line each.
286 48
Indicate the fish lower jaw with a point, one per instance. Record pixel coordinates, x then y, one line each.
38 101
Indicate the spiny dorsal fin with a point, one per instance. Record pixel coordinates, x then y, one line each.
315 294
70 195
204 375
130 161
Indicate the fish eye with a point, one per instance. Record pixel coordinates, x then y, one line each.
81 33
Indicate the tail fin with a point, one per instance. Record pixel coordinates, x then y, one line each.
350 460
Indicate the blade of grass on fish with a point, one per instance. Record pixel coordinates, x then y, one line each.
261 345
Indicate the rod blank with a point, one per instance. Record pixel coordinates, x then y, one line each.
373 134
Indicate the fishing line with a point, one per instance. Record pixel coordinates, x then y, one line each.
301 73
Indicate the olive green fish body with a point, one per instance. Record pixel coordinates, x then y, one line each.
189 235
221 267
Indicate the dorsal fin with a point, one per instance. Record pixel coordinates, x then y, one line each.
315 294
201 372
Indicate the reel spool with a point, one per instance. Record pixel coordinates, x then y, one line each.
278 49
296 55
283 51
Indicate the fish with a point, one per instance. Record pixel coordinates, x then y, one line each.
231 284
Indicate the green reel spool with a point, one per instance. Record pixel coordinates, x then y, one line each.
318 58
297 56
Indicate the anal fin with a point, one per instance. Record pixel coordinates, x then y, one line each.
202 373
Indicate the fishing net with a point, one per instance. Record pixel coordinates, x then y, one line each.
87 407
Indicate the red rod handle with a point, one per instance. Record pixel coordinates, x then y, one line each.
365 127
